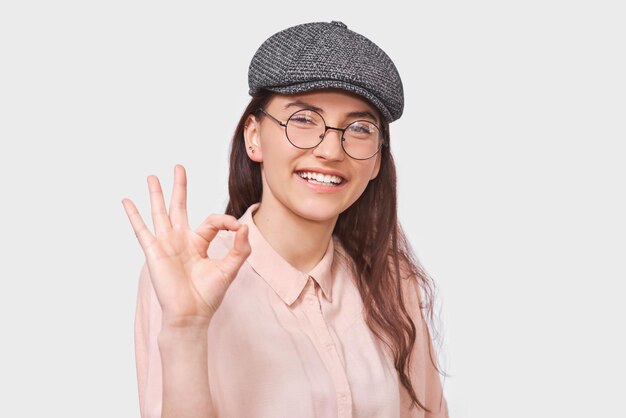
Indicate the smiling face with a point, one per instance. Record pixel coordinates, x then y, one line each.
284 190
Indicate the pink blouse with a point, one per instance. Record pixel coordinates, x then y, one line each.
285 343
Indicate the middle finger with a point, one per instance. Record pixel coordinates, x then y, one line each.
178 204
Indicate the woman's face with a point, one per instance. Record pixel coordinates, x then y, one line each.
283 187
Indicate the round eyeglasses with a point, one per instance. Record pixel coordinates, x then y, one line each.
306 129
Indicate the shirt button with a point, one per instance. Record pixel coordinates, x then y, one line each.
342 397
329 346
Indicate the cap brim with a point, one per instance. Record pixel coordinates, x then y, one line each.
324 84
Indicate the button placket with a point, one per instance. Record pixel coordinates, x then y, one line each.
329 356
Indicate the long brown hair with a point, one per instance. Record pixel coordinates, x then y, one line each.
372 237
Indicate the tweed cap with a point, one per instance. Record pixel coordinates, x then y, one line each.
318 55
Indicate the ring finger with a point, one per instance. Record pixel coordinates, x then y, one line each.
160 219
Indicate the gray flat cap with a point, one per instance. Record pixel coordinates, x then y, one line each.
322 55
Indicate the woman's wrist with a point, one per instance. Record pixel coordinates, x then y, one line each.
188 322
183 330
184 362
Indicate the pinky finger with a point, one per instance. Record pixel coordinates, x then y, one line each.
143 234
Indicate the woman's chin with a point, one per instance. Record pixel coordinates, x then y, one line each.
317 211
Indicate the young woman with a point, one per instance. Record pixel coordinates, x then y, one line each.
304 299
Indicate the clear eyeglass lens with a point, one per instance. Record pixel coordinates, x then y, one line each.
362 139
305 129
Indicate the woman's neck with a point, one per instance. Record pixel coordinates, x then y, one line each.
301 242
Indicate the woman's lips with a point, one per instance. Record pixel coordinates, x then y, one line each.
320 187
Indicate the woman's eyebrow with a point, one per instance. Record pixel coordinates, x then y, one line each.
360 114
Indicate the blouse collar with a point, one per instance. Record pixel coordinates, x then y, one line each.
287 281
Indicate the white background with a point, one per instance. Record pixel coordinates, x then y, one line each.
511 184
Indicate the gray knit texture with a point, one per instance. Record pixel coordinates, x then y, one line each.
322 55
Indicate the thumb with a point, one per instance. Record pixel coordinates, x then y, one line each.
233 261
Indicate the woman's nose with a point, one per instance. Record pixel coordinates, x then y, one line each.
330 147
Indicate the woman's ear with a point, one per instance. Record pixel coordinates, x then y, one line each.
252 135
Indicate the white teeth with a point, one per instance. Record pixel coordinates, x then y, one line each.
325 178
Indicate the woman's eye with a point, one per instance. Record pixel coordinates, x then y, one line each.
360 128
301 119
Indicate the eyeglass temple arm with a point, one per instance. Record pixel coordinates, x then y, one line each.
283 124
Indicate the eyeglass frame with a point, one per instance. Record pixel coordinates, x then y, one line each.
326 128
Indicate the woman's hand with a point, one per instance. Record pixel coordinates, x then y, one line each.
190 286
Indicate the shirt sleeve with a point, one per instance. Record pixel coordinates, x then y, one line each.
423 375
147 355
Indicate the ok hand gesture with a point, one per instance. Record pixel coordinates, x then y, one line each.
189 286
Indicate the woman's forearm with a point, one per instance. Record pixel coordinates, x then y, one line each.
184 361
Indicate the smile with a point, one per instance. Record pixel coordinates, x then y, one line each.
321 186
319 178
